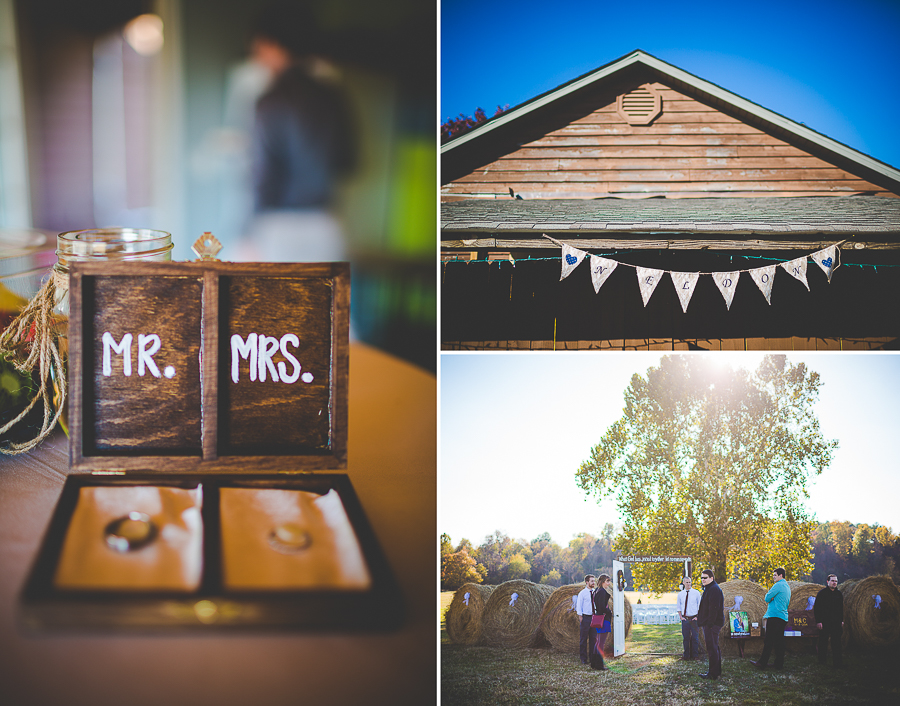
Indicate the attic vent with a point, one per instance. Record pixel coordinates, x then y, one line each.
641 106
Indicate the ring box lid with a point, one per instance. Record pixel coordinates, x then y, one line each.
208 366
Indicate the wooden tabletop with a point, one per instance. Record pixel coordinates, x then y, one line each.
392 465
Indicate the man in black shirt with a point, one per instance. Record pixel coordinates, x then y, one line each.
829 612
711 617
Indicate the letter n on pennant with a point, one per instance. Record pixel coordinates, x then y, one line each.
601 269
797 269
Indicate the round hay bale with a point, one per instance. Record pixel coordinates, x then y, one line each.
753 601
464 617
872 623
801 592
513 620
559 622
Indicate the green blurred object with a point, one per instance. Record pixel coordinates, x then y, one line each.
16 391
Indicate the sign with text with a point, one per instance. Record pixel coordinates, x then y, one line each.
142 345
216 360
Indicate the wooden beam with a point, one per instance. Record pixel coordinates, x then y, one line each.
647 243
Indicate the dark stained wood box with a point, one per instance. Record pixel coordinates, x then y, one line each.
221 374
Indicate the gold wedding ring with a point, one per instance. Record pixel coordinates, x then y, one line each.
130 532
289 538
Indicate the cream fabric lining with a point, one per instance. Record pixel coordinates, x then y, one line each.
173 561
333 559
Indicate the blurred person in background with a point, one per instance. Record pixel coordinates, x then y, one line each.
302 145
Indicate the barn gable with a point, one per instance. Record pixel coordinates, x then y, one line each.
639 127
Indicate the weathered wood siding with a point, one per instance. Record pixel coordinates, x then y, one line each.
691 149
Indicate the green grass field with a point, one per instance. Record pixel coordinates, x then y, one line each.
487 676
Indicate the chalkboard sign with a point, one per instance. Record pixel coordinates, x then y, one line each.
209 365
802 623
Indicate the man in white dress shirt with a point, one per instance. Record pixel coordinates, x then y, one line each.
584 606
688 606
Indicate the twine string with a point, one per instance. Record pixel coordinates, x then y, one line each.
30 342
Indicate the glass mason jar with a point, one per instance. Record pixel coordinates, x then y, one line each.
98 245
26 256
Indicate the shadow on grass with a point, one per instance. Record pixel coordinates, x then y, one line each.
476 676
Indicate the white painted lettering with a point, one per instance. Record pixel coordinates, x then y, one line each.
268 345
123 348
145 357
239 350
282 368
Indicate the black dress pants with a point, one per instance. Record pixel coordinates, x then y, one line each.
774 642
711 637
833 633
584 634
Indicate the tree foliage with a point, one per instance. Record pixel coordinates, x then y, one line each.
460 125
500 558
869 551
713 462
554 565
460 568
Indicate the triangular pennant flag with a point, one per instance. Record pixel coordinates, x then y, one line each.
727 283
601 268
685 284
571 258
827 260
648 278
764 277
797 268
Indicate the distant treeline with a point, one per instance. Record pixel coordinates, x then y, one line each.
842 548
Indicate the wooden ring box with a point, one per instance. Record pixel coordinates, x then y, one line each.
196 409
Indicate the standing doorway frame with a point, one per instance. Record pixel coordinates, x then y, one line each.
618 584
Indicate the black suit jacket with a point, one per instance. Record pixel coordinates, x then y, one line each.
712 607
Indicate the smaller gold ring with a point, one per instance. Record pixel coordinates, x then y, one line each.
130 532
289 538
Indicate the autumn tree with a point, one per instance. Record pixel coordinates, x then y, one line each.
713 462
460 568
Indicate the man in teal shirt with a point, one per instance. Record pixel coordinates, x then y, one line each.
778 598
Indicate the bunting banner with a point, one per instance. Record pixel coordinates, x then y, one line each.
764 276
571 258
797 268
727 283
648 278
828 259
601 268
685 283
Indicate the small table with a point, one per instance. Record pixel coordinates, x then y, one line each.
392 463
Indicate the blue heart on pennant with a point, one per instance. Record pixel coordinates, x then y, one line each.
827 262
571 259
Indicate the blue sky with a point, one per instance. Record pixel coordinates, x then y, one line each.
831 65
515 427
